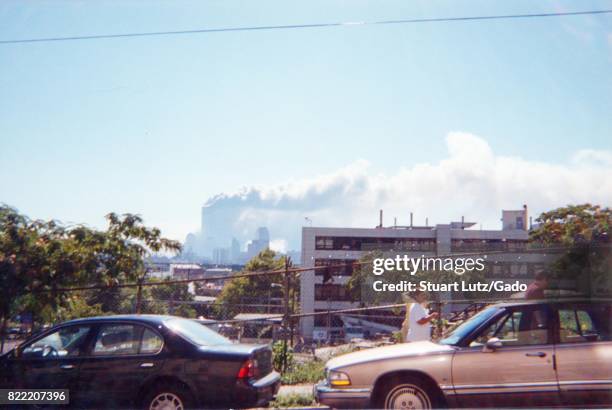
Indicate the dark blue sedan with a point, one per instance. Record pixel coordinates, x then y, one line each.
147 361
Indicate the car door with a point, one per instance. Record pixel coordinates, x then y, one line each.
583 352
51 361
121 357
519 372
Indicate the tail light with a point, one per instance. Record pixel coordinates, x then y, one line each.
248 370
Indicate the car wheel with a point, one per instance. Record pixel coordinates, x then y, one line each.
408 394
172 397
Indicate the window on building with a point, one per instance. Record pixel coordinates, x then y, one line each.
463 245
347 244
427 245
324 243
342 243
331 292
338 267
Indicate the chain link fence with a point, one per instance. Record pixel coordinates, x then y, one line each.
270 315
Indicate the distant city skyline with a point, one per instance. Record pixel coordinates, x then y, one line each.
332 124
472 182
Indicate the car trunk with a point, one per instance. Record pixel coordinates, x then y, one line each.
260 353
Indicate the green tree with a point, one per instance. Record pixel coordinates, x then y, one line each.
251 289
76 306
573 225
39 258
33 256
172 295
149 305
583 232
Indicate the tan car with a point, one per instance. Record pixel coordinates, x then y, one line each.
521 354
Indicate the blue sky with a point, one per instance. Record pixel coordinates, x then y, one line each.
158 125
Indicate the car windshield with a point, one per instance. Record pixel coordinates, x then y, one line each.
196 332
468 326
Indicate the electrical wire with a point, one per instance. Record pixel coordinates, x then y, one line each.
304 26
290 270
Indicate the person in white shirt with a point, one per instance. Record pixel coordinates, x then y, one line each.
419 327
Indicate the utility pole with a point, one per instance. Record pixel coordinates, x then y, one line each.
139 295
286 317
293 309
140 281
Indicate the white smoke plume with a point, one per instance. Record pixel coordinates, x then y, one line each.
472 182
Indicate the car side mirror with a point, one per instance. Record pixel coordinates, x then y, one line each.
492 345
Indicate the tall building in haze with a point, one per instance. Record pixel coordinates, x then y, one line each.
261 242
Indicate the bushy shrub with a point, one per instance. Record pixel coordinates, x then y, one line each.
308 372
277 356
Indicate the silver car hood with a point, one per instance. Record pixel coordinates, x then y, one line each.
388 352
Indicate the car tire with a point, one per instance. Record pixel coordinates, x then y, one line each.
409 392
168 396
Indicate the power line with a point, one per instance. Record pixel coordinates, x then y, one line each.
291 270
305 26
193 280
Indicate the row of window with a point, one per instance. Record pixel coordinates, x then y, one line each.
338 292
331 292
337 267
341 243
468 245
345 267
112 339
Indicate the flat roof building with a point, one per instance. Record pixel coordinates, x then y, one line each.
338 246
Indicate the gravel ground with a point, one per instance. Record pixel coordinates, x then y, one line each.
295 388
298 389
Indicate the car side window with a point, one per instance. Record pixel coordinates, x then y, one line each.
151 342
65 342
584 324
117 339
520 327
489 331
